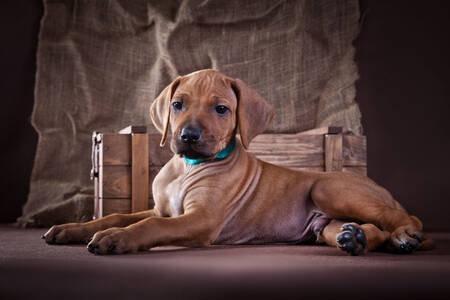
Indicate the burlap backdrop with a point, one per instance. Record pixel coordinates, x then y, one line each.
101 63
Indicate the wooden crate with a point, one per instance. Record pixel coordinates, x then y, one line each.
125 163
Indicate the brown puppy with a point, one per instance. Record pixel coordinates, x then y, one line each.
214 192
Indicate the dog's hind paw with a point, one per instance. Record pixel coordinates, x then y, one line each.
351 239
405 239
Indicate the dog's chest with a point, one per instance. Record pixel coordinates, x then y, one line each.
171 202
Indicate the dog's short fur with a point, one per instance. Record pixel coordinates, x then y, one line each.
241 199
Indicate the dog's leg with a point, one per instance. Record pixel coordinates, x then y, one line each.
83 232
194 229
345 199
353 238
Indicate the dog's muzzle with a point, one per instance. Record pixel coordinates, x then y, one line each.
190 135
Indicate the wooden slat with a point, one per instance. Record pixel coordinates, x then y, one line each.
322 131
120 205
117 150
354 150
139 172
289 150
116 206
117 181
133 129
333 152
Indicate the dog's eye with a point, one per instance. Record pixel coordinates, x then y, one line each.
221 109
177 105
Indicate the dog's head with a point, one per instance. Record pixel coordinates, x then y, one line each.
204 110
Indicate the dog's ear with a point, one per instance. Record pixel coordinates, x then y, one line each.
254 113
160 109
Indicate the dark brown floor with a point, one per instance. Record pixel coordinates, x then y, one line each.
30 269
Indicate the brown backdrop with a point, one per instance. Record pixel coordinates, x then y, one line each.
403 94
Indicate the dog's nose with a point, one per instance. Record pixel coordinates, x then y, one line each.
190 135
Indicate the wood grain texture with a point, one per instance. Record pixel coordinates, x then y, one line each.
111 205
117 150
117 181
354 150
139 172
133 129
120 205
333 152
289 150
306 151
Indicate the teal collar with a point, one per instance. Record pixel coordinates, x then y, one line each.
222 154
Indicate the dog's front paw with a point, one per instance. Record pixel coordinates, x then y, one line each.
67 233
351 239
405 239
112 241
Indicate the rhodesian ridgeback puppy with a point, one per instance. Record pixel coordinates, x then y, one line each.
215 192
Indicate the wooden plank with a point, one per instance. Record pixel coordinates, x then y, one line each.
117 181
289 150
133 129
287 138
110 206
120 205
354 150
117 150
293 150
322 131
333 152
139 172
314 131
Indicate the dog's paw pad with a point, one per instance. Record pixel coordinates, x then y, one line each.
351 239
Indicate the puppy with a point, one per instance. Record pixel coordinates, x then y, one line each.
215 192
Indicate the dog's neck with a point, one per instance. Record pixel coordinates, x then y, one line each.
221 155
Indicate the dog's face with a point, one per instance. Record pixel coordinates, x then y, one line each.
203 111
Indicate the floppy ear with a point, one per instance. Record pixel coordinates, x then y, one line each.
254 113
160 109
